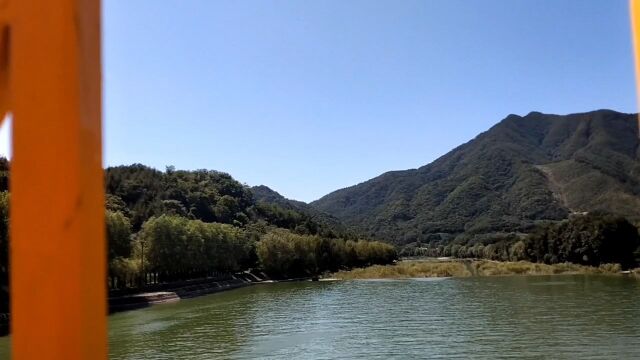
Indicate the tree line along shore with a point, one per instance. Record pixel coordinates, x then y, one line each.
175 225
173 248
588 239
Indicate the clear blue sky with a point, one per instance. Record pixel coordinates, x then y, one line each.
308 97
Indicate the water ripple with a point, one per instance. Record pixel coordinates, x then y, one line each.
561 317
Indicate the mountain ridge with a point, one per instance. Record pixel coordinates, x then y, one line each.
266 195
499 180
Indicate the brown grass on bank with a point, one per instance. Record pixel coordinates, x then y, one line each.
489 268
464 268
406 269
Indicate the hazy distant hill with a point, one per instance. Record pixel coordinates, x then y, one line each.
264 194
522 170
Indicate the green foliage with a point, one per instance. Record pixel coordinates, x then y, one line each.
178 225
298 216
125 269
174 244
115 204
184 224
118 235
283 253
140 192
209 196
593 239
190 223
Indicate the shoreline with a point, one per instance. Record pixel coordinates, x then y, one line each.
414 268
185 290
142 300
436 268
404 269
145 299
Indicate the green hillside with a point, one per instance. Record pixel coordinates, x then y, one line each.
188 224
521 171
141 192
265 196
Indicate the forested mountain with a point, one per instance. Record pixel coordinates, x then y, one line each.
172 225
164 226
140 192
521 171
188 224
267 196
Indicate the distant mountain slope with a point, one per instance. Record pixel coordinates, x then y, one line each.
264 194
521 171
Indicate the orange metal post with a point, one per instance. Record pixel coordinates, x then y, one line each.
58 286
634 9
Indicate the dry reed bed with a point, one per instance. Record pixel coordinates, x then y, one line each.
465 268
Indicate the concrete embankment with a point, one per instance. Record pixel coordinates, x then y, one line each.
174 292
166 293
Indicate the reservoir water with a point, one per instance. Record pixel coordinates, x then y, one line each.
536 317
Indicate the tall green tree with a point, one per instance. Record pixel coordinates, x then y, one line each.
177 245
118 235
286 254
592 239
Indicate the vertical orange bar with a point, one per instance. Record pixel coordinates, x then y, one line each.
634 10
58 286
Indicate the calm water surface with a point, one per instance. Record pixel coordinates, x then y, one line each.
558 317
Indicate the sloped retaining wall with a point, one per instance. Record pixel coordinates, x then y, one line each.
174 293
164 294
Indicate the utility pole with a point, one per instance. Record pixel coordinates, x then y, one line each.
144 277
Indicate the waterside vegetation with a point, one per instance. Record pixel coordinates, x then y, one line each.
590 239
465 268
174 225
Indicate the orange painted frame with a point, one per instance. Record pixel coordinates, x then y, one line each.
50 80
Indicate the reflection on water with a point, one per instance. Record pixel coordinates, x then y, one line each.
558 317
